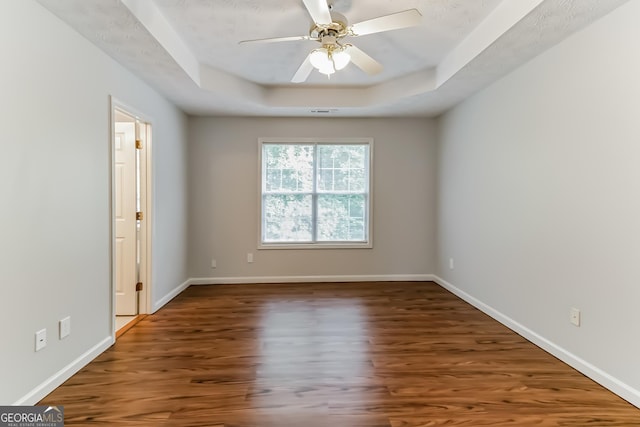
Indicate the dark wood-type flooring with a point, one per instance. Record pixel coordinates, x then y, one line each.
330 354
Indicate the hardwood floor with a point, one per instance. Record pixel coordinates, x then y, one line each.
331 354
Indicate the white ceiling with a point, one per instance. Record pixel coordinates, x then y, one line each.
188 50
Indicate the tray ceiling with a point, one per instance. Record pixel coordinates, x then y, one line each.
188 50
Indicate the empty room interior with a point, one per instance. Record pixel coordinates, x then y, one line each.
343 213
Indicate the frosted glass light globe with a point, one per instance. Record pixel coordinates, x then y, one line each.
319 58
341 59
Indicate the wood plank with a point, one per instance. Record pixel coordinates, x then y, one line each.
330 354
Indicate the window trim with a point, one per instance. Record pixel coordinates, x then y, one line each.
316 245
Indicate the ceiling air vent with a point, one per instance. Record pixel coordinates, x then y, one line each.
324 111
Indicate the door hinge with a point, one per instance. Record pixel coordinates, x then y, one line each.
138 286
139 216
138 144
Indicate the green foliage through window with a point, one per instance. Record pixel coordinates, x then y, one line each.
315 192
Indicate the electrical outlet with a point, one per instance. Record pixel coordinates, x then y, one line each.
41 339
65 327
213 263
249 257
450 263
574 316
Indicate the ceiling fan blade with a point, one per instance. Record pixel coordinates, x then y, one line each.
363 61
276 39
395 21
319 11
303 72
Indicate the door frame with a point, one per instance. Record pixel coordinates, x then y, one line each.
146 226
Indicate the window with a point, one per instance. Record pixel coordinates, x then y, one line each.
315 193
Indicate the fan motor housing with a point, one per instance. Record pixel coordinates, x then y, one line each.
337 28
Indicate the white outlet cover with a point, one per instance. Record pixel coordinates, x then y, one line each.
41 339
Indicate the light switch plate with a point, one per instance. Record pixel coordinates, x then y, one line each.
574 316
65 327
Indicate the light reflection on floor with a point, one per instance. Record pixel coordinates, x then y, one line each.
311 351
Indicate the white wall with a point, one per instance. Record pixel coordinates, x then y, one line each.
54 187
224 198
539 199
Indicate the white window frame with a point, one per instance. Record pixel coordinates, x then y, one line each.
316 245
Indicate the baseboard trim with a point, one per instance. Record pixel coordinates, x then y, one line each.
312 279
603 378
120 332
608 381
171 295
54 381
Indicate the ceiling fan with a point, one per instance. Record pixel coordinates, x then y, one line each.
329 28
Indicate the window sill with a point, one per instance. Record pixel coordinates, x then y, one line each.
289 246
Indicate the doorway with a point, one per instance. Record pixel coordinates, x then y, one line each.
130 217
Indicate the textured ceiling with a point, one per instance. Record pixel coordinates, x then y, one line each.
213 29
188 50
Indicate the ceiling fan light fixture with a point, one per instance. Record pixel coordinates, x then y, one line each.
328 61
327 69
330 28
319 57
322 62
340 59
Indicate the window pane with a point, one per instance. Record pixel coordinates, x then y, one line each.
287 218
288 167
357 230
358 180
341 180
325 179
274 176
342 168
290 180
341 217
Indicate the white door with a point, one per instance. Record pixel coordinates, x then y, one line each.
125 218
